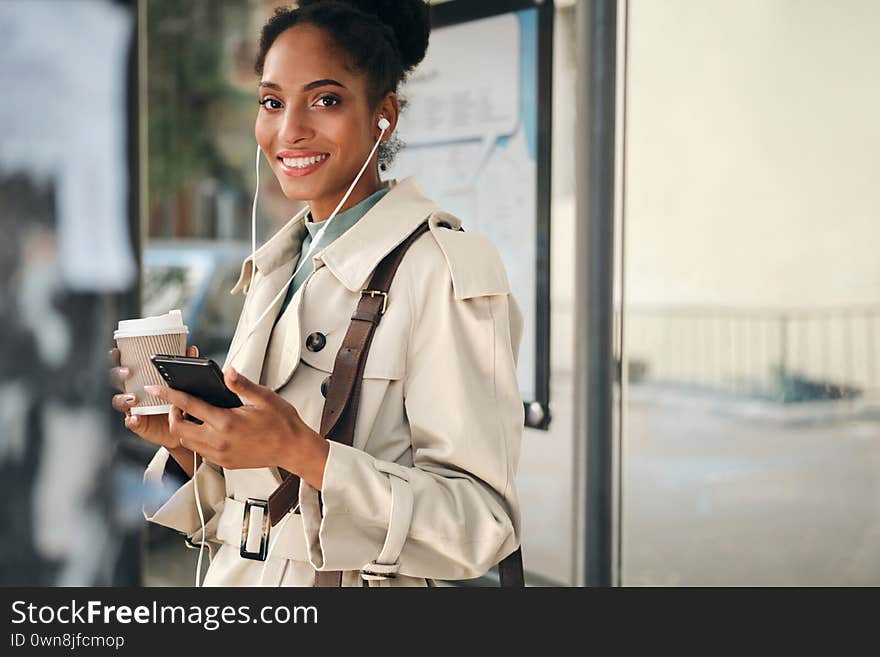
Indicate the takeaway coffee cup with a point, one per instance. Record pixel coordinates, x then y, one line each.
137 340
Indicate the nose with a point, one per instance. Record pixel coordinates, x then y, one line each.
296 125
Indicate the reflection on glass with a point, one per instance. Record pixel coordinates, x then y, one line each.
166 288
752 317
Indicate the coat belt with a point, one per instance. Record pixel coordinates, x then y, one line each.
289 539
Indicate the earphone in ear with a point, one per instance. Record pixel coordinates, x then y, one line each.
384 124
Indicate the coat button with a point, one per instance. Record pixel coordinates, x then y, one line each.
325 386
316 341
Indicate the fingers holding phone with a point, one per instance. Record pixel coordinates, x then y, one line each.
152 428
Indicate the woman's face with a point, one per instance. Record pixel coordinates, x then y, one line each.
314 124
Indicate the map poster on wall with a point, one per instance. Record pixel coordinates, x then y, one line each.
477 135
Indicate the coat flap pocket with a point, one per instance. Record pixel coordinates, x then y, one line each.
325 319
386 359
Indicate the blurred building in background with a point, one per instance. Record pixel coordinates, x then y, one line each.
68 171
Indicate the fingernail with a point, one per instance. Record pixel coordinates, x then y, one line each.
154 390
231 373
135 419
124 371
196 349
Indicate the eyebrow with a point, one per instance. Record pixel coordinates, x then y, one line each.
308 87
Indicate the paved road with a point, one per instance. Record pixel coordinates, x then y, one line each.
722 496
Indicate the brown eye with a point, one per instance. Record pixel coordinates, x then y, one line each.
329 101
266 103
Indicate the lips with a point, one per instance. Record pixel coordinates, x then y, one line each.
301 163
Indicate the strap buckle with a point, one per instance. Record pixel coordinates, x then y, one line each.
373 293
260 553
378 571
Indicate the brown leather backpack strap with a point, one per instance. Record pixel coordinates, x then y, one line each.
343 397
343 394
340 410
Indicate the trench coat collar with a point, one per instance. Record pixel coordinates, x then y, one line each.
353 256
284 245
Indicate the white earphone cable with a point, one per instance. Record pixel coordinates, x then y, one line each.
383 126
254 209
348 193
275 540
201 519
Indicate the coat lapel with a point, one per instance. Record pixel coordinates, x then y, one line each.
283 355
248 358
265 284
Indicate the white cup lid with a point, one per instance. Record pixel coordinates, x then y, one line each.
171 322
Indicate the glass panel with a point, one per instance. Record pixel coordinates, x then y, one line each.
752 287
69 485
168 287
201 106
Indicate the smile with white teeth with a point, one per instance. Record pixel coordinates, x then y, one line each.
303 162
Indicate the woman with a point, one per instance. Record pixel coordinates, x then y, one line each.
440 416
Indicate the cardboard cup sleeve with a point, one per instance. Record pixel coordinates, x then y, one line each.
135 354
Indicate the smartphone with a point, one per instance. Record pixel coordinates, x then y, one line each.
199 377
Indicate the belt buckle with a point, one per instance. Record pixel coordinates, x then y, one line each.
259 555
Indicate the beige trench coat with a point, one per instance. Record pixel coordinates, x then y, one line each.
428 490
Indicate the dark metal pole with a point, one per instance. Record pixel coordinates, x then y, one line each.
597 36
128 451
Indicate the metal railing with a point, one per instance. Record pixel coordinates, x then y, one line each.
785 355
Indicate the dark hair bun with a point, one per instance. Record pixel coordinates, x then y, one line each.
409 20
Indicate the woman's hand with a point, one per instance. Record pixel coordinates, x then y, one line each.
152 428
266 431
